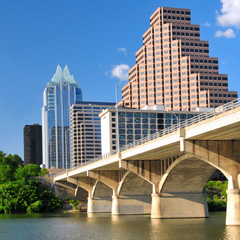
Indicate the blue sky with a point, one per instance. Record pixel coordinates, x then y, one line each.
91 37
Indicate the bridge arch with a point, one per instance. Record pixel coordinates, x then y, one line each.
81 193
100 189
101 199
134 184
122 181
189 173
181 189
134 195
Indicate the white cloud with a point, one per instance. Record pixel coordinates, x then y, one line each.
123 50
206 24
230 13
227 34
120 71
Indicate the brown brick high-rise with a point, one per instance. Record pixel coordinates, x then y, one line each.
173 67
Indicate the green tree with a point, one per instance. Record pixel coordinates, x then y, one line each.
27 172
8 165
2 155
216 195
20 191
43 172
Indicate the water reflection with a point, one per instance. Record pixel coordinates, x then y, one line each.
115 219
104 226
232 232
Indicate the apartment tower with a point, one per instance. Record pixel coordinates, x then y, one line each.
173 67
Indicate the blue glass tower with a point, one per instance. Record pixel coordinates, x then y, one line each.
58 97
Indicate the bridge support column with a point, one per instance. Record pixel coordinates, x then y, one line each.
156 206
90 205
179 205
115 205
233 207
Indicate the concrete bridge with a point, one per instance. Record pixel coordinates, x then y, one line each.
164 174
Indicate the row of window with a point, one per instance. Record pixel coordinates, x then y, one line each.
194 50
186 34
175 12
136 120
214 84
204 67
223 95
159 116
219 101
195 44
214 78
137 115
79 107
205 61
186 28
177 18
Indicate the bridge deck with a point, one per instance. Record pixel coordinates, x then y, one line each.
225 126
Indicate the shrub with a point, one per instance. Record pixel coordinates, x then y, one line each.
217 205
35 207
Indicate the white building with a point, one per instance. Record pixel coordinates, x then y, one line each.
134 124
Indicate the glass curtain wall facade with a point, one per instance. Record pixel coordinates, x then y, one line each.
135 124
58 97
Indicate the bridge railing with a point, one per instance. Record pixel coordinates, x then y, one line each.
173 128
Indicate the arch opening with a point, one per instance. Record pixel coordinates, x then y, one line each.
182 189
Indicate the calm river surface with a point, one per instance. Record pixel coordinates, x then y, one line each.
104 226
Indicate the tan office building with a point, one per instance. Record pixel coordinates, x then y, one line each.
173 67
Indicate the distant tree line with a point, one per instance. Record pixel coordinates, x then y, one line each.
20 190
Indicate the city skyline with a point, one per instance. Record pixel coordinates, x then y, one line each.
32 46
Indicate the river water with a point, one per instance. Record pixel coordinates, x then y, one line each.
101 226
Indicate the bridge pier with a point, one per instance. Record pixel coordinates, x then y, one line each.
233 207
179 205
99 204
115 205
134 204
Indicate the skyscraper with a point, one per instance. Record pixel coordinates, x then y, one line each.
86 130
32 144
173 67
61 92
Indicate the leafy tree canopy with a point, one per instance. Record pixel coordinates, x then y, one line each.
20 191
27 172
